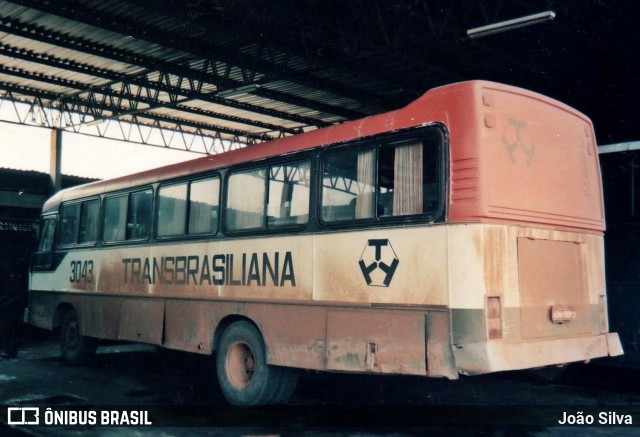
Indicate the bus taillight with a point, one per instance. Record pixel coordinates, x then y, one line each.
494 317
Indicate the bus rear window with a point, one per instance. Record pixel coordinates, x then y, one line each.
388 180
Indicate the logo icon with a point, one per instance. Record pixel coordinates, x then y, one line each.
517 143
378 263
23 416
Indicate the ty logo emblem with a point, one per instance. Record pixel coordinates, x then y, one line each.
378 263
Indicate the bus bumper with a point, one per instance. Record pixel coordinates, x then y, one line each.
496 356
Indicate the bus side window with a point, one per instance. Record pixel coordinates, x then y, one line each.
348 186
385 181
139 215
69 224
188 208
115 213
89 221
432 173
289 186
273 197
47 234
79 222
172 210
246 200
127 216
405 172
203 206
43 256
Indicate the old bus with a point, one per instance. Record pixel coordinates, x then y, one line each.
462 234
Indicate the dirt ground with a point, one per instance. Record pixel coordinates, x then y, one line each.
181 395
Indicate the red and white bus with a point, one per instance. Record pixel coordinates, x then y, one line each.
462 234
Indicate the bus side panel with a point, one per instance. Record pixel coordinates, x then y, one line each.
279 268
42 307
440 357
406 266
323 338
385 342
295 335
350 339
141 320
190 324
99 316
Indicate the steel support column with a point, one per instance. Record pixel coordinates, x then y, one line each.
55 160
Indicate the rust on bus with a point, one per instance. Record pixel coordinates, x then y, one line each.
462 234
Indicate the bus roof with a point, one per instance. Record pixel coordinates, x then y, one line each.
432 107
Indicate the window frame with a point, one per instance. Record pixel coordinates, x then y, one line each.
210 177
77 243
99 224
156 210
189 181
43 219
237 171
377 143
61 217
267 165
127 194
278 227
43 260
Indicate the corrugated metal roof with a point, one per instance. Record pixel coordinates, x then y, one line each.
250 70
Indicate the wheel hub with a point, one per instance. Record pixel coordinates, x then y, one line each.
240 364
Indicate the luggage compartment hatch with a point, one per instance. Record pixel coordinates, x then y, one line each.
553 291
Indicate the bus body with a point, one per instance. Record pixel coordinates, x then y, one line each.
462 234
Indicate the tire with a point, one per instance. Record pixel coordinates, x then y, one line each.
286 386
244 376
76 349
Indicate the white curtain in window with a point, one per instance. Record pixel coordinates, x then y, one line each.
408 195
365 183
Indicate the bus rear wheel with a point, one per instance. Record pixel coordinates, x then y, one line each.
244 376
76 349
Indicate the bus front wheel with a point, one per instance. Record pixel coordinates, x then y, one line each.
76 349
243 373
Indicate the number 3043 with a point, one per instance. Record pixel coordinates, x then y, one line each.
81 271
